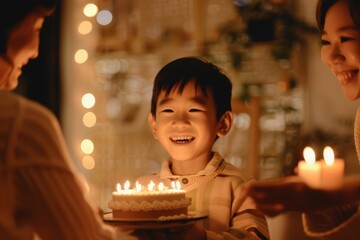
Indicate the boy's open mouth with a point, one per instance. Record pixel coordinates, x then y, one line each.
185 139
346 76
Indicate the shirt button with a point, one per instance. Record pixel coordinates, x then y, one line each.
184 180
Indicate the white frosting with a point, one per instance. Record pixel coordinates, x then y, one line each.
174 217
149 206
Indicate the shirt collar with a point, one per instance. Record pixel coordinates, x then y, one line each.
213 164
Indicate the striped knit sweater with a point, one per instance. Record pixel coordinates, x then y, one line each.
342 222
39 189
217 192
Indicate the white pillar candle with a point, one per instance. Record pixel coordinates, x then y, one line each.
309 169
332 172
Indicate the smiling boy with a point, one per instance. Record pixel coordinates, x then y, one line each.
190 109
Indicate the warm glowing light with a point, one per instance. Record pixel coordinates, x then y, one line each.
90 10
104 17
178 185
81 56
151 186
161 186
85 27
88 162
87 146
309 155
88 100
138 186
127 185
118 187
329 156
89 119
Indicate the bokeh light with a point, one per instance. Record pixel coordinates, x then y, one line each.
87 146
85 27
104 17
90 10
89 119
88 100
88 162
81 56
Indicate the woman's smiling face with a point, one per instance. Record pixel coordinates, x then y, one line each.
340 51
22 45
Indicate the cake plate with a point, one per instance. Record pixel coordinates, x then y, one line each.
153 223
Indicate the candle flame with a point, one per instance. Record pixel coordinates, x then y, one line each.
178 185
151 186
329 156
309 155
127 185
118 187
161 186
138 186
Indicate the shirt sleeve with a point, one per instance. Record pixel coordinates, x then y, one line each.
233 215
49 192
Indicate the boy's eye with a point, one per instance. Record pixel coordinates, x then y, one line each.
167 110
324 42
345 39
194 110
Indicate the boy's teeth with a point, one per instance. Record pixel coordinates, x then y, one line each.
182 139
344 76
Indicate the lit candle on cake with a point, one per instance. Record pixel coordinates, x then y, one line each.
176 185
161 186
332 170
138 186
309 169
118 187
127 185
151 186
125 190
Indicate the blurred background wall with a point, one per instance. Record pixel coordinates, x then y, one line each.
112 49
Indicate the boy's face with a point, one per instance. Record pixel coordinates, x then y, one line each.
186 123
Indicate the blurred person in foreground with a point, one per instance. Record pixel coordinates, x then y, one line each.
329 214
41 194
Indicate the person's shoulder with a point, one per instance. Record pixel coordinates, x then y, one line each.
17 103
27 116
9 100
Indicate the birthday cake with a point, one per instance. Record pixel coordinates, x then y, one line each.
140 203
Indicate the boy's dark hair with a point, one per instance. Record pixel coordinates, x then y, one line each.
206 75
13 12
324 5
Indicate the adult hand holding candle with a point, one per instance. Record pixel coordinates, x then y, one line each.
332 170
309 169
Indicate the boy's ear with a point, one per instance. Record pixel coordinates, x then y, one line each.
225 124
152 124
